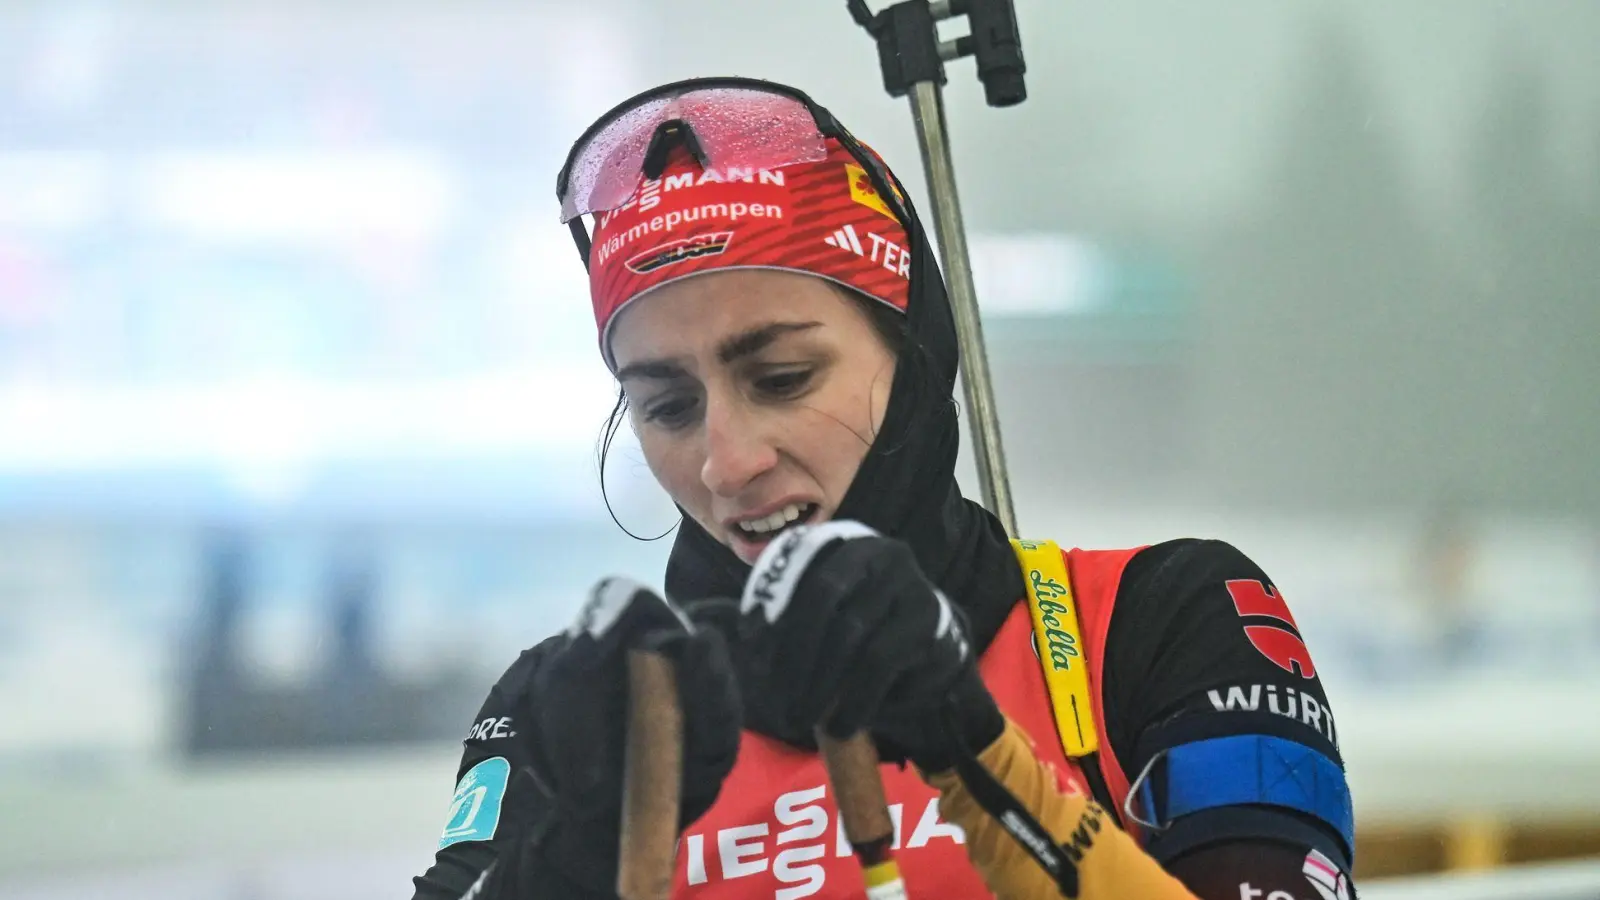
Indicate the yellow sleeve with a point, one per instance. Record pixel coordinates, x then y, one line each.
1110 864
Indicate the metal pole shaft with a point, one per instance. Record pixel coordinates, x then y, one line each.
927 108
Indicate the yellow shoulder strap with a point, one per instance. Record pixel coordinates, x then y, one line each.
1059 640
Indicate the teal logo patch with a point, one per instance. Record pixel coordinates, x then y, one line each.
475 809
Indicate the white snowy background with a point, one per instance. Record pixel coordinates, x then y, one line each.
1315 278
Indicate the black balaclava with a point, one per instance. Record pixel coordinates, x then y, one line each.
906 486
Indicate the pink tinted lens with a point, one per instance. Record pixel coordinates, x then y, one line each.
735 127
752 129
600 178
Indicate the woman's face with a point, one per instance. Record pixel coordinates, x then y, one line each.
755 395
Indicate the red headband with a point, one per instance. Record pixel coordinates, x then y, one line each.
819 218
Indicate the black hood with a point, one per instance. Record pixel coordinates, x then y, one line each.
906 486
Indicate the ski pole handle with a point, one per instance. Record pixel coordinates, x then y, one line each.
651 780
852 765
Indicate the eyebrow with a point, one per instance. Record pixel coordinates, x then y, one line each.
746 343
757 339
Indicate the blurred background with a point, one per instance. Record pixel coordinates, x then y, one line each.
299 399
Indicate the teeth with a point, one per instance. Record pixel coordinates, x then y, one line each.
777 520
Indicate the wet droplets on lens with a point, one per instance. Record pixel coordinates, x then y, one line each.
606 172
735 127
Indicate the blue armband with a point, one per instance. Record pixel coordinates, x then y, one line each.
1244 770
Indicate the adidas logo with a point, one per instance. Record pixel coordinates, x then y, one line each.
846 239
890 255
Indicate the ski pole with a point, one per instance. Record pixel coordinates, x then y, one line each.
652 771
912 58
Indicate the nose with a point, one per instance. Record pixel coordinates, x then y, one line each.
737 451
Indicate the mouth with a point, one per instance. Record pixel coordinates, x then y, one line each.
750 536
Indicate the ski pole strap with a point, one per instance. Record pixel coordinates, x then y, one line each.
996 800
1059 642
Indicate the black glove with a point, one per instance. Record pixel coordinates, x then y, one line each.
839 627
576 705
